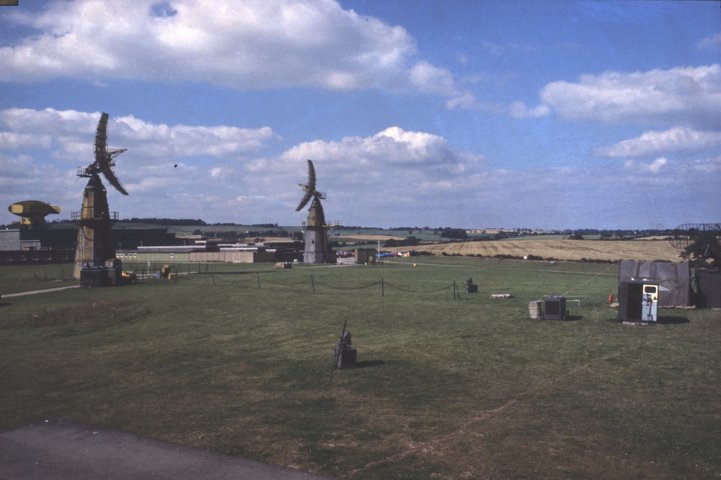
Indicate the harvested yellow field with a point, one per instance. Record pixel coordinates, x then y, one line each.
364 238
276 239
560 249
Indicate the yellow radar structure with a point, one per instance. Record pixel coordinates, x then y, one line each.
32 213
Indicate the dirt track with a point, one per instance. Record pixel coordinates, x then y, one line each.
607 250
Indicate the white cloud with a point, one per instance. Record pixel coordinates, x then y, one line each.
713 41
519 109
13 141
412 154
516 109
394 177
653 167
657 165
17 167
39 122
504 49
254 44
411 169
188 140
71 135
684 94
24 178
708 167
674 140
151 170
216 173
464 101
428 78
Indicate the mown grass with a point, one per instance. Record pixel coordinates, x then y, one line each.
238 361
22 278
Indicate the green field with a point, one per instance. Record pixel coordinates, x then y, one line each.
237 359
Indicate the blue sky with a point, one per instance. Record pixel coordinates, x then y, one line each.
600 114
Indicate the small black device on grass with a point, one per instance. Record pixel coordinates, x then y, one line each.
554 307
346 356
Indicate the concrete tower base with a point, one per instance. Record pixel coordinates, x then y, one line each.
316 247
316 236
95 243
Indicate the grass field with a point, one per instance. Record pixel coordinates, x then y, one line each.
24 278
238 361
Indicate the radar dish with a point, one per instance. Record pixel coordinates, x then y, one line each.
309 188
104 158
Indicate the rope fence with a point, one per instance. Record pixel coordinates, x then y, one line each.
359 287
202 273
222 278
407 290
285 284
258 280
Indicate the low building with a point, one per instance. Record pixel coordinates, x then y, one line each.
20 246
709 288
365 256
673 279
200 252
55 242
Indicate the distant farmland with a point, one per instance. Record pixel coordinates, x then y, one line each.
364 237
559 249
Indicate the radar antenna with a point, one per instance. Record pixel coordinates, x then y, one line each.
699 240
104 157
309 188
315 236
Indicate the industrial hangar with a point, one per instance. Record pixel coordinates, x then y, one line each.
56 243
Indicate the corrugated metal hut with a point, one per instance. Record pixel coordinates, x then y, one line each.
673 279
709 286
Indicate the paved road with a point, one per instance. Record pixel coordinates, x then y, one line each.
35 292
61 450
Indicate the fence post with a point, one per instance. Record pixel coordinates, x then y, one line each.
312 283
212 276
454 289
383 288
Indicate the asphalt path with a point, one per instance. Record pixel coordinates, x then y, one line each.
36 292
63 450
